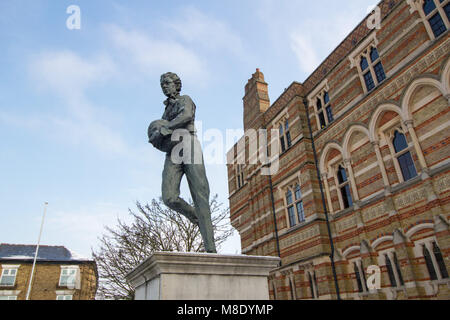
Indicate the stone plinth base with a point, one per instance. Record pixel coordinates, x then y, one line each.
193 276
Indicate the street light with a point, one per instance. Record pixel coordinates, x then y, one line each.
36 253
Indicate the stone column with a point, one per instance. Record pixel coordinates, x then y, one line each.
418 149
327 192
348 166
376 146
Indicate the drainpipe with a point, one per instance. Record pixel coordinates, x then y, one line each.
333 266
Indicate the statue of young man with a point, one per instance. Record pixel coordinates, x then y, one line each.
180 114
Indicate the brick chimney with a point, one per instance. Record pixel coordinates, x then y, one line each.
256 101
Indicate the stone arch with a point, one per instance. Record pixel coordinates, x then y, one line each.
413 87
411 231
351 249
381 240
329 147
348 135
377 115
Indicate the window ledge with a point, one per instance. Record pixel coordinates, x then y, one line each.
406 184
6 287
344 212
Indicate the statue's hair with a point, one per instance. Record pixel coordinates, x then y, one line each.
175 78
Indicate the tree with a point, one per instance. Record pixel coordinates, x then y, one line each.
153 228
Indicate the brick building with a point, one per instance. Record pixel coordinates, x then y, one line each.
59 274
364 165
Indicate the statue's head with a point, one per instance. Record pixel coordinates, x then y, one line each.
170 84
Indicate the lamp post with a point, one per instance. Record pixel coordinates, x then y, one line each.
36 253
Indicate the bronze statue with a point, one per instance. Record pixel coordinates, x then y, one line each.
178 120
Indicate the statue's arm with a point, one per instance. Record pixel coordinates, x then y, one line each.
186 116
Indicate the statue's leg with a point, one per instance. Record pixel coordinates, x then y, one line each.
199 187
171 180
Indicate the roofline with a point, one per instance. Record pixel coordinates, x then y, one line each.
340 43
46 261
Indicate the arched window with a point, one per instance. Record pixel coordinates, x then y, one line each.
292 289
311 286
429 263
288 134
285 136
399 271
344 187
440 260
435 12
239 176
390 271
372 68
282 141
358 277
328 108
316 285
323 109
320 114
403 156
290 208
299 204
294 204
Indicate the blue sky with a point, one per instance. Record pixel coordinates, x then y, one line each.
75 104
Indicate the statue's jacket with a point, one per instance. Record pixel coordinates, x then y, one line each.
180 112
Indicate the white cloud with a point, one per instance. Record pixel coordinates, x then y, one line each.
68 75
155 56
304 50
310 37
79 229
209 32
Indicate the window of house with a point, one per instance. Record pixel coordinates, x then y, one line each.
390 271
371 68
290 208
68 277
239 176
316 286
393 269
358 277
358 269
313 285
324 110
9 274
434 261
64 297
398 269
294 203
285 136
429 263
291 286
440 261
437 13
8 297
344 187
403 156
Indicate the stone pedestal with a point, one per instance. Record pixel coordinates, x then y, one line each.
194 276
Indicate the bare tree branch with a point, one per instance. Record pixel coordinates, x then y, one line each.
154 227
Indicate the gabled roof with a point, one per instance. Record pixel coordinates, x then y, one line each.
21 252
